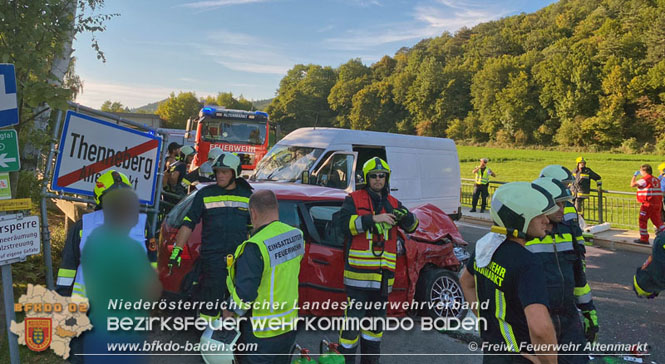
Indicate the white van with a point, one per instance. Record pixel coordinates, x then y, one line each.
424 169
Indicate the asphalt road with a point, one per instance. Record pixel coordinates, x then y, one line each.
623 318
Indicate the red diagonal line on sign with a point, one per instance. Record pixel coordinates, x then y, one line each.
103 164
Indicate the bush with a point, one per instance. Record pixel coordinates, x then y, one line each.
660 145
630 146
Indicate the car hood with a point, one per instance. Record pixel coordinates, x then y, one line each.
435 225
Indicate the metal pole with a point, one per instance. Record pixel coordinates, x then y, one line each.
46 235
8 288
158 190
600 205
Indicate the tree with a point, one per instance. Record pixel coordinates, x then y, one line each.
302 98
36 36
227 100
177 109
352 77
113 106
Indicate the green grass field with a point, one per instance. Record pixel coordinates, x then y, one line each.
525 165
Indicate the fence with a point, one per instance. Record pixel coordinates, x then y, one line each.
620 209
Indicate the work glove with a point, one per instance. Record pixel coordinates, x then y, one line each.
382 228
590 325
174 260
637 173
400 213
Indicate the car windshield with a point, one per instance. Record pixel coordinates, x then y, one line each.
286 163
176 216
233 131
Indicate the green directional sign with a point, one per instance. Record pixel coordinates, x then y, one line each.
9 158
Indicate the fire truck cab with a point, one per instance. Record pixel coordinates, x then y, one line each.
246 133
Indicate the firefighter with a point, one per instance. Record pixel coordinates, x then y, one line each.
223 209
582 186
69 281
650 196
265 269
649 279
563 262
177 171
504 273
661 178
480 189
563 175
370 217
204 172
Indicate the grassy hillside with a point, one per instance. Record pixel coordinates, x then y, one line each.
525 165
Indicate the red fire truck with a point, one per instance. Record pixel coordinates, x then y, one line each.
246 133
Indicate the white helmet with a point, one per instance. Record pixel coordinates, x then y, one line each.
558 172
217 343
557 189
214 153
205 170
515 204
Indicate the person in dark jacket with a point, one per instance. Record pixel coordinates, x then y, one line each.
582 185
224 210
562 254
370 218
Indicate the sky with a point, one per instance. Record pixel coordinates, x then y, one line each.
155 47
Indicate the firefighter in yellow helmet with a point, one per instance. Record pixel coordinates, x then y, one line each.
370 217
582 186
661 178
70 280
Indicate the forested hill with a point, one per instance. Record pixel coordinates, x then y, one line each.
579 72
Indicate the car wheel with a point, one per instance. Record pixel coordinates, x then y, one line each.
442 293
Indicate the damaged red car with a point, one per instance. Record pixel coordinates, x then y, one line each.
428 260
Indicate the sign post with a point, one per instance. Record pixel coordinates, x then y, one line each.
19 238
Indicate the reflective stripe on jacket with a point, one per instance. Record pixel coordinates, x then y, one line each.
483 177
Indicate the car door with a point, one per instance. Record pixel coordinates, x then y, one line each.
338 171
322 269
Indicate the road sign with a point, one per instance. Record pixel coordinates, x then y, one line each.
8 106
16 204
5 189
89 147
19 237
9 158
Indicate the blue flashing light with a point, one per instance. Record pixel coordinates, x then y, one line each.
261 113
208 110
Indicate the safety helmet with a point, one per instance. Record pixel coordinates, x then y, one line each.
515 204
228 160
376 164
661 167
558 191
109 181
187 150
205 170
217 343
558 172
580 160
214 153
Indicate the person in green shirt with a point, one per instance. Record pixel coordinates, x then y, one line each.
116 267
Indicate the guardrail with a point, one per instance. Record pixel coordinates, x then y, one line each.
619 208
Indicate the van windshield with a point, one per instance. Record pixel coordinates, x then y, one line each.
286 163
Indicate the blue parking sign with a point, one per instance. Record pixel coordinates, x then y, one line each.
8 106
